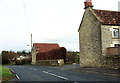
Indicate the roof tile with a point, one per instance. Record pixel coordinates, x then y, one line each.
108 17
42 47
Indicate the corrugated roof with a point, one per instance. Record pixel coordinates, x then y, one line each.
42 47
108 17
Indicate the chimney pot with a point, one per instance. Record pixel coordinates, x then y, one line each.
88 3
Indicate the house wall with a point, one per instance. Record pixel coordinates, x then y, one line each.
33 56
107 37
90 40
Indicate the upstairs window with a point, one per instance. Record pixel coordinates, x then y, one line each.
115 32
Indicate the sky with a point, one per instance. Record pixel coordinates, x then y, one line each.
49 21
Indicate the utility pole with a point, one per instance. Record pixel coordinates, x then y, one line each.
31 43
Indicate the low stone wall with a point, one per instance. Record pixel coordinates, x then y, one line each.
58 62
112 58
111 61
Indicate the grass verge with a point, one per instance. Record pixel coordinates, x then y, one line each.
6 74
0 73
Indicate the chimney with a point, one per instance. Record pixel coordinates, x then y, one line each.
88 3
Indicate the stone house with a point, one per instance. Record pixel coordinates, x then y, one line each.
41 47
98 31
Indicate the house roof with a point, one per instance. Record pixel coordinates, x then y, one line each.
42 47
108 17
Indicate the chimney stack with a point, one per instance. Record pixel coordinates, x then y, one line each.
88 3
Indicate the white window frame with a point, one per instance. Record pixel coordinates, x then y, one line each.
117 32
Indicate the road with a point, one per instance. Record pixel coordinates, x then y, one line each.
47 73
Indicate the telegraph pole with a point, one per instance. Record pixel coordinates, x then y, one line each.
31 43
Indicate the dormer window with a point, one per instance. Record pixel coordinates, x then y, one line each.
115 32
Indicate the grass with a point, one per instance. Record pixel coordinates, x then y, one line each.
0 73
6 74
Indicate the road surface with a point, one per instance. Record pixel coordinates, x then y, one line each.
47 73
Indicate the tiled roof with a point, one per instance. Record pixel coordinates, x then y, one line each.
42 47
108 17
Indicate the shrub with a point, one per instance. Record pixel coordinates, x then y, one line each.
58 53
72 57
7 57
22 61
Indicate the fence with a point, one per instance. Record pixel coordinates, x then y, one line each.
113 51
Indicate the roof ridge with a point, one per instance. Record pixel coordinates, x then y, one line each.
45 43
107 10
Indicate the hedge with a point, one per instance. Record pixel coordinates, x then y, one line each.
58 53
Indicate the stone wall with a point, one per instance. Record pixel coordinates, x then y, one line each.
110 54
33 56
107 37
90 40
58 62
112 58
111 61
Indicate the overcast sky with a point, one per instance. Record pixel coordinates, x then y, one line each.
50 21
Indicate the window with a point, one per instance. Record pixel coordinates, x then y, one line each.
117 45
116 32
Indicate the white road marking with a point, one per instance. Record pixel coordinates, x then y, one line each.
33 69
11 70
55 75
17 77
15 74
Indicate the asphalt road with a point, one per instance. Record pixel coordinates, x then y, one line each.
47 73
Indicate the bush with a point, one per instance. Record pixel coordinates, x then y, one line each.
7 57
22 61
72 57
58 53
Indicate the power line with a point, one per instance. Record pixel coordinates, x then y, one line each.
28 25
62 41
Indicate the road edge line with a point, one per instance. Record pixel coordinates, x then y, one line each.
15 74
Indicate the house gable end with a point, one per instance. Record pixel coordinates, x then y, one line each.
89 10
81 21
98 18
89 38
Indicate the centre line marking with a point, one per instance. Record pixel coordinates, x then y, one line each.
55 75
32 68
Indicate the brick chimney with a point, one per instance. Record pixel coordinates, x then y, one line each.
88 3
